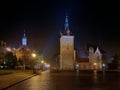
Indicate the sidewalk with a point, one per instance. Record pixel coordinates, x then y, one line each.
111 70
10 79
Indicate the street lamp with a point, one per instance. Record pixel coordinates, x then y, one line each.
48 65
8 49
95 64
33 55
42 61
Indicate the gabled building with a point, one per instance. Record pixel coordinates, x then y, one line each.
92 61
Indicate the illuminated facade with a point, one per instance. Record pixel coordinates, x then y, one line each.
23 50
95 59
23 54
92 61
67 60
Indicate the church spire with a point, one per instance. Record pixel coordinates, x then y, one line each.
97 51
24 34
67 25
24 39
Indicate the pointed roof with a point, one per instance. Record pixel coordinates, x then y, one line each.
67 30
66 22
97 51
24 35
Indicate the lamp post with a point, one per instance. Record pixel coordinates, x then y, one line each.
33 55
42 64
33 65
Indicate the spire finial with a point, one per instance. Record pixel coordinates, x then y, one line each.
24 35
66 22
24 29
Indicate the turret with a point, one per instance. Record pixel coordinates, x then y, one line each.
24 39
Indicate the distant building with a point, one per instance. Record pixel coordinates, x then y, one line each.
92 61
23 54
67 60
23 50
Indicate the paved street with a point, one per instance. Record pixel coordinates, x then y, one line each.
71 81
14 77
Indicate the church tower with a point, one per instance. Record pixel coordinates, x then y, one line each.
67 61
98 58
24 39
95 58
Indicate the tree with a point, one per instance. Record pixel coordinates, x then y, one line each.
24 57
10 60
2 55
115 62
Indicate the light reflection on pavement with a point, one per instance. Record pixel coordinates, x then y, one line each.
71 81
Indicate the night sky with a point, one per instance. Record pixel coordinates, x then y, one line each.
91 21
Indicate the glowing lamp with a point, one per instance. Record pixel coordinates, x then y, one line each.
42 61
103 65
8 49
33 55
95 64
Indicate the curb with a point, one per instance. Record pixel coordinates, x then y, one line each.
18 82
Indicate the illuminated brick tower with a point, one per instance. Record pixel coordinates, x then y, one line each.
67 61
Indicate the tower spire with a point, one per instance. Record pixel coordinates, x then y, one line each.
24 35
67 25
24 39
97 50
